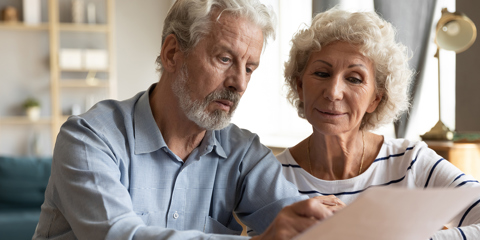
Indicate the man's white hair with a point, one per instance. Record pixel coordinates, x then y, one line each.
190 20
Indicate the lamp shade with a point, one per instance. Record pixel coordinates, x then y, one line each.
455 32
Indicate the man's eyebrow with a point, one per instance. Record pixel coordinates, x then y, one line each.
255 64
230 51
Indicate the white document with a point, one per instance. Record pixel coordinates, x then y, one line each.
395 214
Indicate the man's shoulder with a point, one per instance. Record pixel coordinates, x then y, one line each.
234 139
107 116
110 106
233 132
110 109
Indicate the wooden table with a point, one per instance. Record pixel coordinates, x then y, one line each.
465 156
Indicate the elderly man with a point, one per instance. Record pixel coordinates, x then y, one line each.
166 164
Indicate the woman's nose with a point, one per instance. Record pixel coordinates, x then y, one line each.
333 90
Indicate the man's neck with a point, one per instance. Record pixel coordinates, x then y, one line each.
181 135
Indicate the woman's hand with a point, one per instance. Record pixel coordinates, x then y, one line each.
295 219
332 202
299 216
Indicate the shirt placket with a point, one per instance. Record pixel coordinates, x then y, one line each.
176 212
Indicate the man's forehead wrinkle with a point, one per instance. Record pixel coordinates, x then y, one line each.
237 35
225 28
255 62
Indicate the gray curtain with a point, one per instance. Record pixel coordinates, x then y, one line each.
412 19
319 6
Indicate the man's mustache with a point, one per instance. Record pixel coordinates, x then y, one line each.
225 94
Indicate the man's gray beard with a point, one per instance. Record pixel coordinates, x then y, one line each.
196 110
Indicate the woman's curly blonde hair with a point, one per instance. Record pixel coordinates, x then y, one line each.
376 38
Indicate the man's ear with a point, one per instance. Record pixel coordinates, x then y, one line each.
299 88
170 53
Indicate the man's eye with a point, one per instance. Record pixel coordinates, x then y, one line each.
249 70
225 59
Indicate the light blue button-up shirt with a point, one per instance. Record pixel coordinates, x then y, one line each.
113 177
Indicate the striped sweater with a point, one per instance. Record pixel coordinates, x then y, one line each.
400 163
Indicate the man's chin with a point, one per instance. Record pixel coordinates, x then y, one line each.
215 120
221 119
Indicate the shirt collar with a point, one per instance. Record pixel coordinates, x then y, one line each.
211 143
148 137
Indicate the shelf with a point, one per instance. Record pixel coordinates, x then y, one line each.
23 120
73 27
23 26
82 83
65 82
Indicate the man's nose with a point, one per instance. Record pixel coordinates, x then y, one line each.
237 80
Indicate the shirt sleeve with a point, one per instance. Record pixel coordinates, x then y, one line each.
87 197
263 189
432 172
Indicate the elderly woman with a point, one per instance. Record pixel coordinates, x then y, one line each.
346 76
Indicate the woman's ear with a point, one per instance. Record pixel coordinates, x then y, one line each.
299 88
170 53
374 104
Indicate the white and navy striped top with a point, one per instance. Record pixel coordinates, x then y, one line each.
400 163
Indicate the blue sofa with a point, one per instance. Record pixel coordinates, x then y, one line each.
22 189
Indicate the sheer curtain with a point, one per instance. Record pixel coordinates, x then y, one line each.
414 32
417 32
424 112
264 109
348 5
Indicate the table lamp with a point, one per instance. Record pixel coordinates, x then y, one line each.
454 32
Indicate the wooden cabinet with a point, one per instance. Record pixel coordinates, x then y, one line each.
62 86
465 156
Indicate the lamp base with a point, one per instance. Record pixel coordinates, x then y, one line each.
439 132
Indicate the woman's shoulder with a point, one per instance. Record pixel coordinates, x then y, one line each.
414 151
400 151
286 157
397 146
402 143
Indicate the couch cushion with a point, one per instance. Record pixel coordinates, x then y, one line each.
23 181
19 224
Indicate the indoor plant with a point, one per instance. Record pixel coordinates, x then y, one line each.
32 109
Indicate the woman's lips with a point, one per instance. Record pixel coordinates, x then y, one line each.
331 114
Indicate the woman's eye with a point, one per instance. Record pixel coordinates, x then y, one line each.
322 74
354 80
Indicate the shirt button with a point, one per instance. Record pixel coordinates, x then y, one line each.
175 215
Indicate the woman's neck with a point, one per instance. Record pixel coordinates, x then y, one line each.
337 157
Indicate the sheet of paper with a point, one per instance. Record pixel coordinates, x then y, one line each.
394 214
